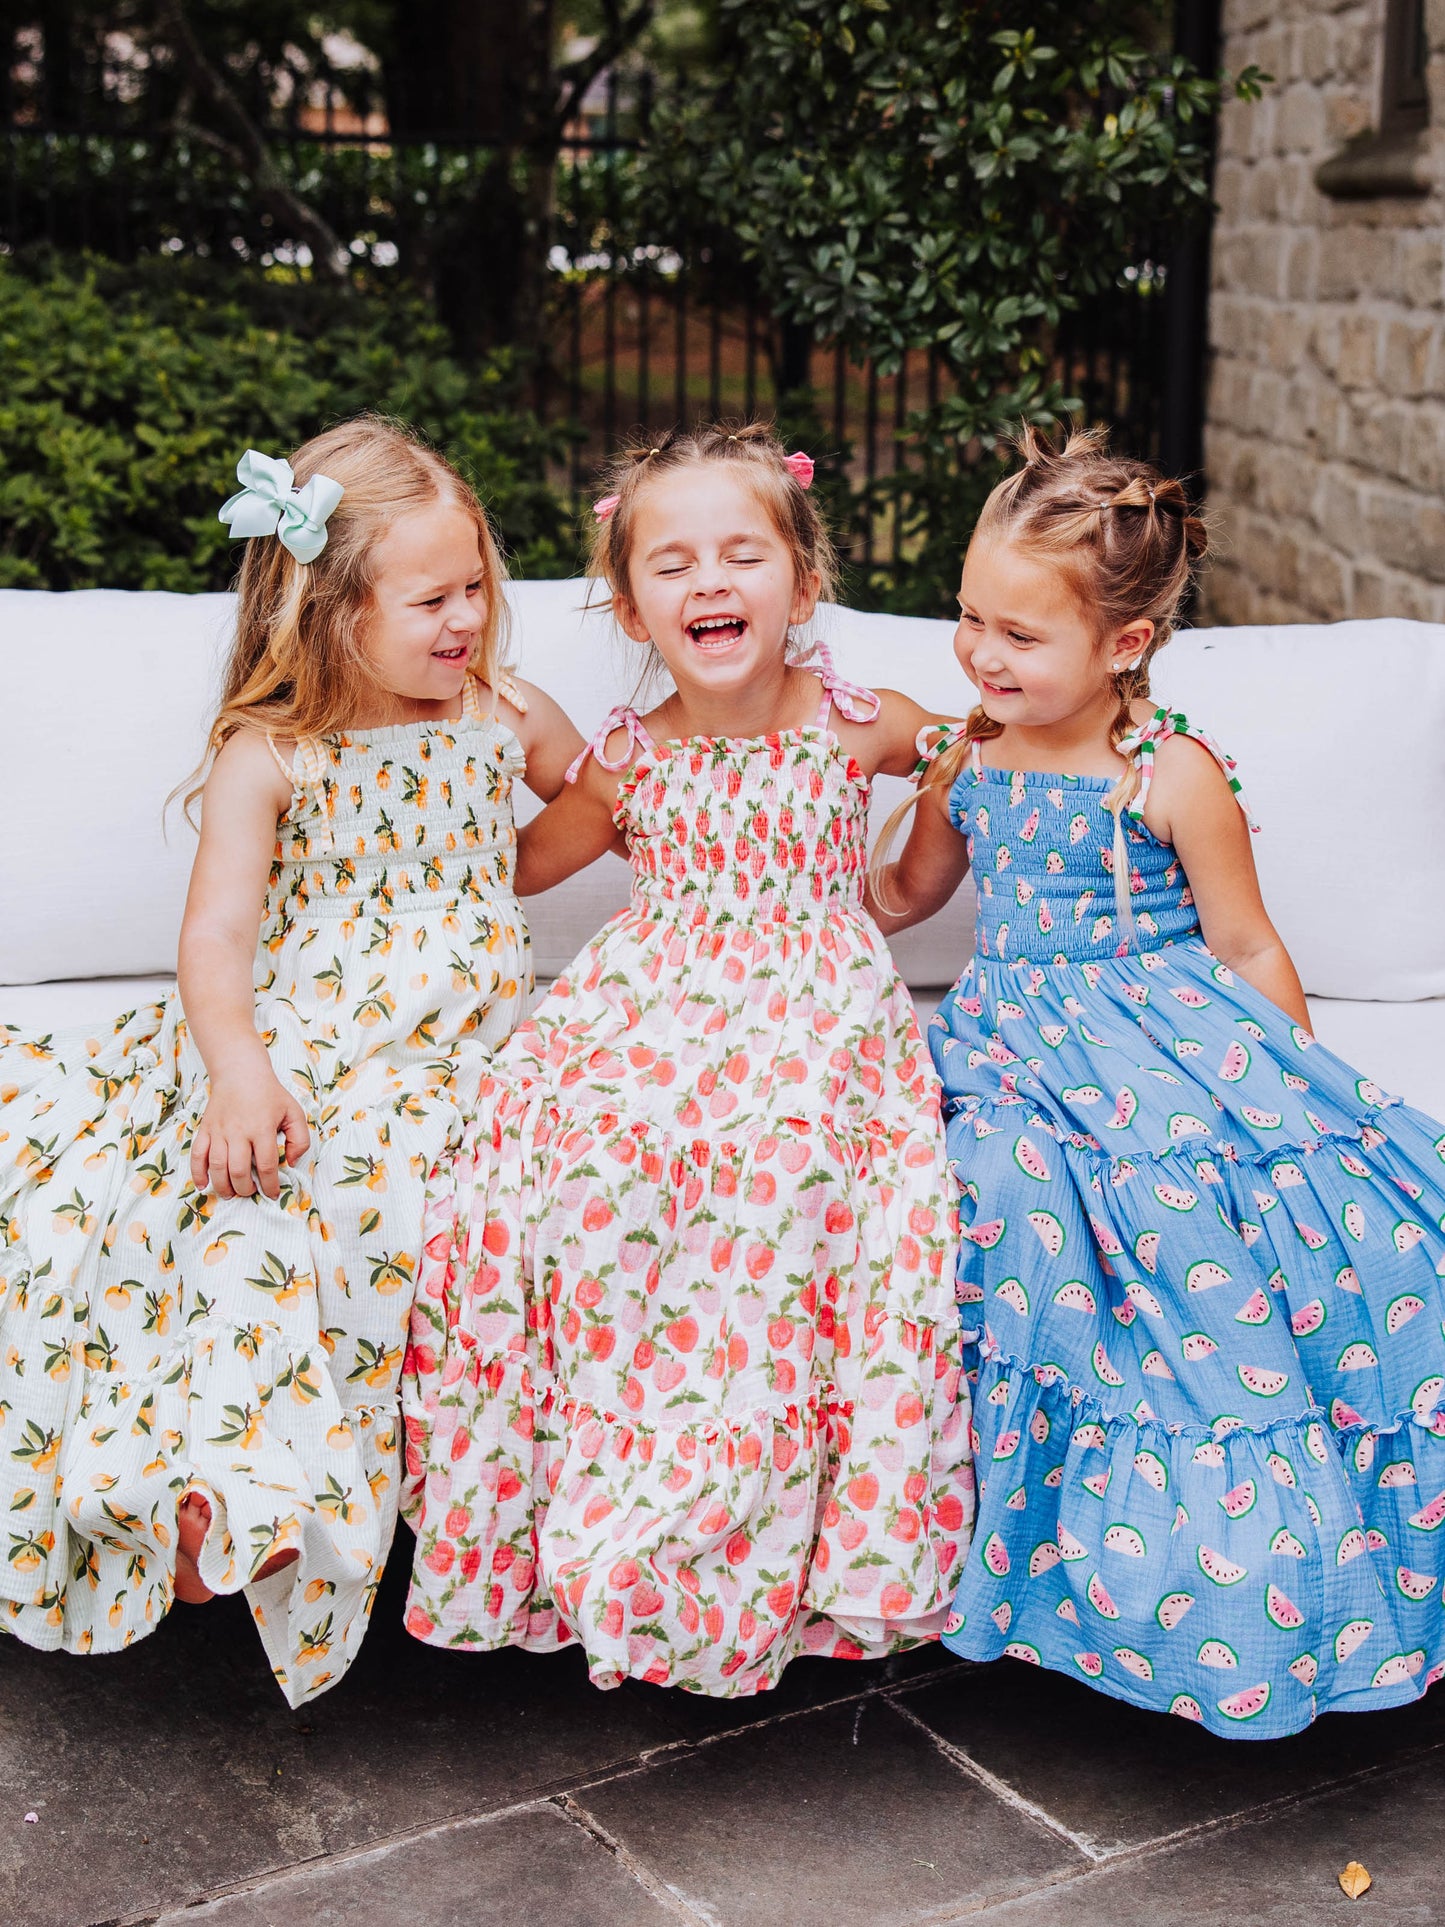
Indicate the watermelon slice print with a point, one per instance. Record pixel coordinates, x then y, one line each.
1090 1664
1141 1296
1217 1652
1224 1572
1351 1637
1175 1197
1236 1063
1358 1357
1187 1708
1172 1608
987 1235
1308 1318
1103 1370
1401 1310
995 1555
1020 1649
1030 1160
1401 1472
1205 1275
1240 1500
1126 1540
1051 1234
1155 1365
1098 1596
1264 1384
1255 1310
1429 1517
1282 1612
1146 1249
1285 1544
1152 1470
1305 1669
1353 1219
1076 1296
1280 1469
1043 1558
1422 1399
1416 1586
1398 1669
1246 1705
1407 1234
1002 1616
1134 1663
1012 1293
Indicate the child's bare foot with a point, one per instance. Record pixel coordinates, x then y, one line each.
193 1522
276 1563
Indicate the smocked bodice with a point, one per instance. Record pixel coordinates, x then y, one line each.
411 816
757 829
1048 858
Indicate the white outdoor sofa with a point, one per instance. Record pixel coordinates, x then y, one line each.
1339 732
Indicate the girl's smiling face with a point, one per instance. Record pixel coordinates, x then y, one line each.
429 607
1025 641
712 582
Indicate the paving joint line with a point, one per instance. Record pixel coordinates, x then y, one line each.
652 1883
1111 1859
1001 1790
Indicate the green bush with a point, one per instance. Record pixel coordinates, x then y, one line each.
131 392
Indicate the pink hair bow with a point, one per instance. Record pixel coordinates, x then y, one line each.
800 467
604 505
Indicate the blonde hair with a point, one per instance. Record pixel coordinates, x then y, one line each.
761 461
298 666
1130 543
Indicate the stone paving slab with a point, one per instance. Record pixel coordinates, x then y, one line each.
173 1783
185 1738
535 1868
1279 1872
847 1814
1117 1777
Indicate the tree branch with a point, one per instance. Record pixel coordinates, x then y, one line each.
624 30
245 145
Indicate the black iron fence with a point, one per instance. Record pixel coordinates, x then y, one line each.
634 332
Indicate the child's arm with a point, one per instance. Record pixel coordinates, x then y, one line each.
933 863
1192 806
550 739
888 746
245 796
574 830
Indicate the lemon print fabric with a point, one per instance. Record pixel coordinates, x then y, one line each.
686 1364
153 1338
1202 1259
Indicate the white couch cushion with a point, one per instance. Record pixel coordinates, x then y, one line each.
82 843
107 696
1338 732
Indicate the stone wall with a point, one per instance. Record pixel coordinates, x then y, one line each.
1325 438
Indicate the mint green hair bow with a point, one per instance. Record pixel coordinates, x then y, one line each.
268 502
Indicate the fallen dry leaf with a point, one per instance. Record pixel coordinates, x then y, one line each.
1355 1881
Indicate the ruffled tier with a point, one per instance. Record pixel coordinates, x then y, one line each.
1247 1579
693 1401
232 1412
1210 1390
155 1341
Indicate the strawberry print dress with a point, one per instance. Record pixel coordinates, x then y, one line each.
155 1339
1203 1257
684 1380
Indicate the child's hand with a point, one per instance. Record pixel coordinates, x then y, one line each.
249 1110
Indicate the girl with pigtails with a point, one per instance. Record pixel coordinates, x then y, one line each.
1202 1258
684 1377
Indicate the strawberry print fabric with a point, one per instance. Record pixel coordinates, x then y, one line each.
684 1381
1205 1258
153 1338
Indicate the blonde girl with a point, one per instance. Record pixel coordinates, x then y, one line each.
684 1380
1202 1257
210 1216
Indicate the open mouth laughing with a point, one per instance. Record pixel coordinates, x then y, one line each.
716 632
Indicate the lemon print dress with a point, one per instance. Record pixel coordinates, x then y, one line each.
155 1339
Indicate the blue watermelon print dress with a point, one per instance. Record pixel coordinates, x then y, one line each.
1201 1282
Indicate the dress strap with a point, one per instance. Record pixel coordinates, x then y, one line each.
931 742
306 773
1140 744
639 743
856 701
